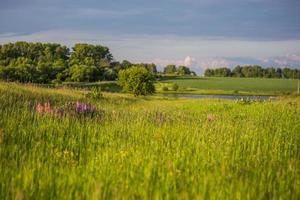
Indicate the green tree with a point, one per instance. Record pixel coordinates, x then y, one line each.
183 70
170 69
83 73
209 72
90 55
237 71
126 64
136 80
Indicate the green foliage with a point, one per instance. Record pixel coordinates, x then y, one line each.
183 70
95 93
45 63
150 67
180 70
165 88
55 63
83 73
137 80
174 87
170 69
90 55
218 72
252 71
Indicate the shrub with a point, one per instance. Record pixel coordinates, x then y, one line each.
95 93
175 87
165 88
136 80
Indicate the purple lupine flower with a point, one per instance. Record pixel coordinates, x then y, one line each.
84 108
70 108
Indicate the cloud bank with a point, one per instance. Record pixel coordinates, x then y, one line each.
198 53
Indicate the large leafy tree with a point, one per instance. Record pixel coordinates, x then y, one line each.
91 55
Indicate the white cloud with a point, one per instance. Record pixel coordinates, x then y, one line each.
166 46
188 61
164 62
215 63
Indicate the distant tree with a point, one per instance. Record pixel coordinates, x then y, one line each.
151 68
291 73
278 73
237 71
126 64
222 72
51 62
254 71
175 87
136 80
170 69
269 72
183 70
193 73
209 72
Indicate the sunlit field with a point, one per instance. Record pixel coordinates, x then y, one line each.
146 148
232 86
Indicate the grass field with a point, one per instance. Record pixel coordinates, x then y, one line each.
201 85
223 85
147 148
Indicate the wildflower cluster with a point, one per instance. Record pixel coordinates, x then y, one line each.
80 108
46 108
70 108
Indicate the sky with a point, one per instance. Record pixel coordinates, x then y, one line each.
196 33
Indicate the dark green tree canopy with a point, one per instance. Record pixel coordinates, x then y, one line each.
170 69
47 62
91 55
180 70
253 71
183 70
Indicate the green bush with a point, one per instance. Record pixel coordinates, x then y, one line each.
175 87
136 80
95 93
165 88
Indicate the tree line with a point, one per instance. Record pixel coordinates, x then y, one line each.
180 70
51 62
54 63
253 71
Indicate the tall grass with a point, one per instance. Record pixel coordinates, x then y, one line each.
148 148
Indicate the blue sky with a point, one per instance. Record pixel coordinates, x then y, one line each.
200 34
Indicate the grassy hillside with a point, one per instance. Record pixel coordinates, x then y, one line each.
232 85
146 148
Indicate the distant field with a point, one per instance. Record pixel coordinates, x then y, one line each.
201 85
234 85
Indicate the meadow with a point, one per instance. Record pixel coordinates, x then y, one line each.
231 86
148 147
